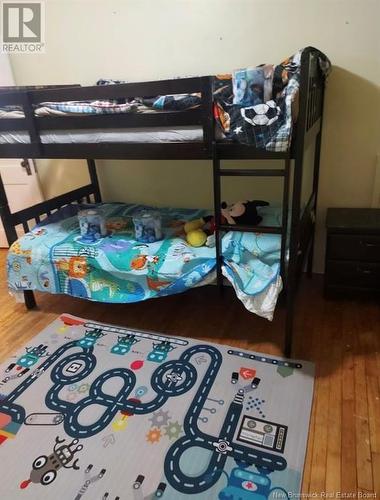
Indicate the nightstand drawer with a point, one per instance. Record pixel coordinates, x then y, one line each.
354 247
353 274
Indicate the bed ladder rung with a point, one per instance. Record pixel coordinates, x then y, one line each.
252 172
251 229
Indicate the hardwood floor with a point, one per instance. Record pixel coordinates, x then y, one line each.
342 337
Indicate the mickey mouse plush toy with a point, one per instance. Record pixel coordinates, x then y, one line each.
243 212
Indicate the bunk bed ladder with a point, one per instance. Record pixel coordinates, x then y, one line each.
219 172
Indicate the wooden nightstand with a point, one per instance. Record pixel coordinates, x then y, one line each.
352 250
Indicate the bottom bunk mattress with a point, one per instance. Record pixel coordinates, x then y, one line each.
53 257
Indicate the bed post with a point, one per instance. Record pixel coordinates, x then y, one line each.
317 154
284 222
11 234
91 165
317 158
296 204
30 300
6 216
210 147
291 281
217 215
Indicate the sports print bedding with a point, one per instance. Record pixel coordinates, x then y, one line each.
258 106
118 269
253 106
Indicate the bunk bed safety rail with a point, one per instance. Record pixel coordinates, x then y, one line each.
29 217
21 99
34 125
315 92
20 96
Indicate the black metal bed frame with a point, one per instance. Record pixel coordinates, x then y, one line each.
298 226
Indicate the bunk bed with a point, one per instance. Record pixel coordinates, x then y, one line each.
179 134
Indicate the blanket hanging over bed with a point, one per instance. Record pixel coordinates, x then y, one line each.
258 106
118 269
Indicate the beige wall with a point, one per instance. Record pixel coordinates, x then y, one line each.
154 39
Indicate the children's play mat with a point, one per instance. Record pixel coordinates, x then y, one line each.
95 411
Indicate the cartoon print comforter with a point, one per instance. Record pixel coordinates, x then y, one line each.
119 269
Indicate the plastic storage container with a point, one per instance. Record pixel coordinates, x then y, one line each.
92 225
148 227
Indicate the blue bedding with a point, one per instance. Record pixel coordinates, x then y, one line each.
119 269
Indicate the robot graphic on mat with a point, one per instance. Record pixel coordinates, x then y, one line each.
27 360
44 468
160 351
247 485
124 344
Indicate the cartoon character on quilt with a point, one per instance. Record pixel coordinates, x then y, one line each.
20 260
72 272
166 268
84 276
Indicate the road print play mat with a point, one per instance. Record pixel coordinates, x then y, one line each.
95 411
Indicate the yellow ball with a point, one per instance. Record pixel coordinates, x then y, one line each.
196 238
192 225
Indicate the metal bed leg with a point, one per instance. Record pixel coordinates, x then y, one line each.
30 300
309 267
219 273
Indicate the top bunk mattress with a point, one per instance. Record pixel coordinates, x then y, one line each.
154 135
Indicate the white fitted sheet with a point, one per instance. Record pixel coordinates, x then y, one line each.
99 136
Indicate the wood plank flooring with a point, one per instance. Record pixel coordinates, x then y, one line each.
341 336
